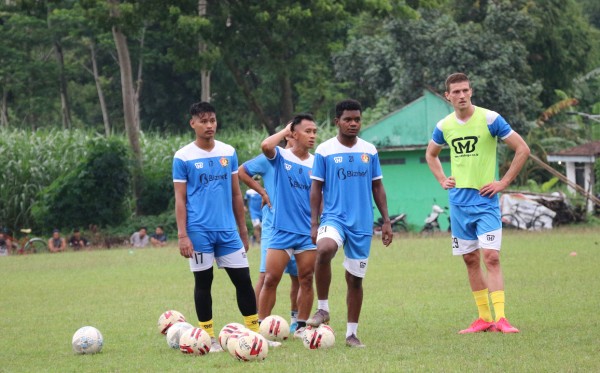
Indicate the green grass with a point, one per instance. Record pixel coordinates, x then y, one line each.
416 299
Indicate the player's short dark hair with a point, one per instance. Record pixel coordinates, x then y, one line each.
348 104
144 228
456 78
298 118
200 108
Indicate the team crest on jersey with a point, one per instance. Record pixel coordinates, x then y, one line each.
199 165
224 162
364 158
288 166
337 159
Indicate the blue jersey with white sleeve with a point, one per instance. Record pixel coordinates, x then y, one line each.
347 175
292 199
499 128
207 175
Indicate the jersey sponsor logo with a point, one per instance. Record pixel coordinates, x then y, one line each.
288 166
464 145
199 165
224 161
338 159
364 158
342 174
296 184
205 179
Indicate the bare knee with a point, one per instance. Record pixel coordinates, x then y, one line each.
491 259
271 281
472 260
353 282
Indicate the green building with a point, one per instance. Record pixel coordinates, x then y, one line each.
401 139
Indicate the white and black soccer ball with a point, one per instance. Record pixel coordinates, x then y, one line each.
251 347
274 328
87 340
195 341
318 338
174 333
169 318
227 330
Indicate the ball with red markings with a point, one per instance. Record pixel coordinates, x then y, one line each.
195 341
251 347
169 318
275 328
318 338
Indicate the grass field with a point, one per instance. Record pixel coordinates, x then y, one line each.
416 299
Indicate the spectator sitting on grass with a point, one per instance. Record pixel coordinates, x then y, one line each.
5 244
159 238
56 243
140 238
76 241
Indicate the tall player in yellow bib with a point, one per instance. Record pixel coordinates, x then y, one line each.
471 133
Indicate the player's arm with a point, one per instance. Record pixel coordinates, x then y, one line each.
316 206
381 201
433 161
253 184
270 143
238 209
516 143
185 245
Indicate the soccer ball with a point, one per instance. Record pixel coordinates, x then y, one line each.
169 318
226 331
232 341
317 338
251 347
274 328
174 333
194 341
87 340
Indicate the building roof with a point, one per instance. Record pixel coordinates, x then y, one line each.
409 127
587 152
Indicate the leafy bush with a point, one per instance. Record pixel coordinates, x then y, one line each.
94 192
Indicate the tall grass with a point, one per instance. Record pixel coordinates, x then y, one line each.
416 299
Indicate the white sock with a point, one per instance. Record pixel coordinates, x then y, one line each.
351 328
294 317
323 304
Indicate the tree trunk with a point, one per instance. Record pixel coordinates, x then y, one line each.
105 118
62 80
129 105
139 81
204 73
286 100
4 109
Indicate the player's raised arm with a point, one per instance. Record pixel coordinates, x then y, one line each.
270 143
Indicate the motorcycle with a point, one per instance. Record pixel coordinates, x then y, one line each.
398 222
431 221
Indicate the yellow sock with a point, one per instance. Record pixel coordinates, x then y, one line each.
498 302
208 327
251 322
483 304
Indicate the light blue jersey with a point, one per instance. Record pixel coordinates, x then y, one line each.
260 165
347 175
208 178
498 127
292 200
254 204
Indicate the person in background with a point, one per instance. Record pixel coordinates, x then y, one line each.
159 238
77 241
56 243
140 238
253 202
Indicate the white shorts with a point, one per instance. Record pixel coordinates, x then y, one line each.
203 261
355 261
490 240
255 223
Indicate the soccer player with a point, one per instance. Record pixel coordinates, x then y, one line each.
291 217
253 202
472 134
346 175
208 207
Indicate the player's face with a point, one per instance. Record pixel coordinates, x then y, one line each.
459 95
305 134
349 123
205 125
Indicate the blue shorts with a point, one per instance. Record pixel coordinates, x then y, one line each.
475 227
220 243
288 240
357 247
265 240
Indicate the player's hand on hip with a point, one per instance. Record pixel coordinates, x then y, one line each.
491 189
386 233
185 247
449 183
